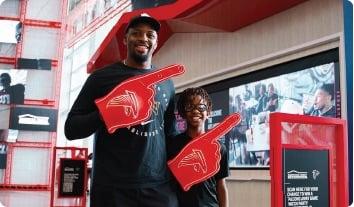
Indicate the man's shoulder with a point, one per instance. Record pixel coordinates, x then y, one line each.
108 69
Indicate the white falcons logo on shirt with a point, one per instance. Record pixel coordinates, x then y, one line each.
195 159
128 101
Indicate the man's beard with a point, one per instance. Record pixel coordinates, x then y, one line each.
139 58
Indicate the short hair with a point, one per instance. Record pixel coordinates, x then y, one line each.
328 88
189 92
6 77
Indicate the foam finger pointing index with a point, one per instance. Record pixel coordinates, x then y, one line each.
225 126
161 75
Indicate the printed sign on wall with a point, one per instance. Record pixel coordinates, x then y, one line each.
72 177
33 119
306 177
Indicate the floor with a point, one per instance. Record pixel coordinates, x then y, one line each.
35 199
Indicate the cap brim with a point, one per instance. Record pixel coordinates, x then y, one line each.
144 20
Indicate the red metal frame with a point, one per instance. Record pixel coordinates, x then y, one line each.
8 60
40 102
340 152
7 185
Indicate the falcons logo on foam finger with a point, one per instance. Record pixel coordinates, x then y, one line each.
131 102
196 159
200 159
128 101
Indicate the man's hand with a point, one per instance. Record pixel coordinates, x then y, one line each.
130 102
200 159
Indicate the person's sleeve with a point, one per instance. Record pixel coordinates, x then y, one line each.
224 164
83 118
169 117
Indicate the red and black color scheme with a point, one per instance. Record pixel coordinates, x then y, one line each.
130 102
69 178
212 15
309 161
199 159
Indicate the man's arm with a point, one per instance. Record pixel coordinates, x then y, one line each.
222 194
83 118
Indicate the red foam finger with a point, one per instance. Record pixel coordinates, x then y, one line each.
161 75
223 127
199 159
131 101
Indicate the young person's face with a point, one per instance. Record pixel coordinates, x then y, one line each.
141 42
196 112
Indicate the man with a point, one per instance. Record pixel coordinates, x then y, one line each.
130 165
14 94
323 105
272 99
262 99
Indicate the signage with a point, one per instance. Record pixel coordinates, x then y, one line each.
72 177
33 119
306 178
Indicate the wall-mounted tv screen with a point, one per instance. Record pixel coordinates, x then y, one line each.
309 85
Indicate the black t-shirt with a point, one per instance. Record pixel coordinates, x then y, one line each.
203 194
13 94
131 157
329 113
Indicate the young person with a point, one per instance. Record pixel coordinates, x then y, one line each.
195 105
130 165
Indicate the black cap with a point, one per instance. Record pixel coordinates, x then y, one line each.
143 18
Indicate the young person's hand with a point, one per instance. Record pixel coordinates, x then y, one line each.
200 159
131 101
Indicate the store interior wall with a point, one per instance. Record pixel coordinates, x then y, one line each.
308 28
311 23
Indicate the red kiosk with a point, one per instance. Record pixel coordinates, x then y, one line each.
309 161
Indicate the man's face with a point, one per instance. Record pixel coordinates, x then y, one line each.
322 98
141 42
